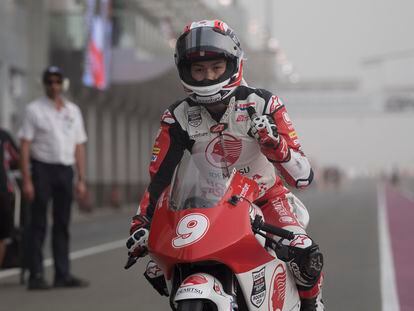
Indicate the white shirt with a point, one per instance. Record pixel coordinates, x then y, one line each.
53 133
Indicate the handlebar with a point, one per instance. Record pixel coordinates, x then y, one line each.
258 224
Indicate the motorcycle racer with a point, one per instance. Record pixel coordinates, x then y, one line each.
247 127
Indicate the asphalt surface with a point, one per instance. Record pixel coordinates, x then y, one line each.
343 221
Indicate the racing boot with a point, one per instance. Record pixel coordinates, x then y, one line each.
312 304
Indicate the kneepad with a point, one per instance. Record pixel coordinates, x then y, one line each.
306 262
155 276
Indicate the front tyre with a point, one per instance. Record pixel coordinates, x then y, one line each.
196 305
190 305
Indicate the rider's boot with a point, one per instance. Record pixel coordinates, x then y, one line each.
312 304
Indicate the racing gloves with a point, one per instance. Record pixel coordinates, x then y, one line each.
273 146
137 243
264 129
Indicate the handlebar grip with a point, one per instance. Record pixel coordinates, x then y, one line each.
259 224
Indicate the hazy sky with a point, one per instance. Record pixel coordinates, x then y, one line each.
329 38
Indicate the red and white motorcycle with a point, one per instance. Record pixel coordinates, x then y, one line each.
214 248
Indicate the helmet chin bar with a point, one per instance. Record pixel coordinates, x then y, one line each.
208 100
212 100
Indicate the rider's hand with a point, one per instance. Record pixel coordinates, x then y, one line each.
139 221
264 129
137 242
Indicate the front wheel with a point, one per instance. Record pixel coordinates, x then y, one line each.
190 305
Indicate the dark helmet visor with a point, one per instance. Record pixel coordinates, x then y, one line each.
206 39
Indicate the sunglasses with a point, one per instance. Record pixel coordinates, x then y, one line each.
50 82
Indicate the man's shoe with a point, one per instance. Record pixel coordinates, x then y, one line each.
71 281
37 284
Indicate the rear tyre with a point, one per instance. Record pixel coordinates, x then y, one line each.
190 305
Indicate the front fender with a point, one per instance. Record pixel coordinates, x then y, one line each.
204 287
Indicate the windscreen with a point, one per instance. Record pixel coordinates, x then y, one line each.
197 183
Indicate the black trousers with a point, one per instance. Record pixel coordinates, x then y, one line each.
51 182
6 214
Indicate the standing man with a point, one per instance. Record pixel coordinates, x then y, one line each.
9 155
52 141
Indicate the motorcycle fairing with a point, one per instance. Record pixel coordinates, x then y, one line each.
226 235
269 287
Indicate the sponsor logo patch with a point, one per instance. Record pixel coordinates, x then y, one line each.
275 104
191 290
197 135
154 271
242 118
301 241
194 118
292 134
259 288
287 220
218 128
223 151
243 106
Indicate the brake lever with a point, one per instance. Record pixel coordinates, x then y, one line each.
130 262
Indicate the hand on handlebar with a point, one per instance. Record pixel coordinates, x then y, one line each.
137 245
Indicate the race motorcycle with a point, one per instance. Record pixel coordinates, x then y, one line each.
214 247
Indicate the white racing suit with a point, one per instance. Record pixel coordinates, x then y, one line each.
186 125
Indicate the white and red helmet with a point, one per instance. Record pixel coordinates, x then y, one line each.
208 40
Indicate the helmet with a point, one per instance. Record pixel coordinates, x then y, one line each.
208 40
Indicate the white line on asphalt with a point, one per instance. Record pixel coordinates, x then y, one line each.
74 255
389 293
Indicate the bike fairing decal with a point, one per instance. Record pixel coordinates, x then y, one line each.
217 288
258 294
278 289
187 286
190 229
195 279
